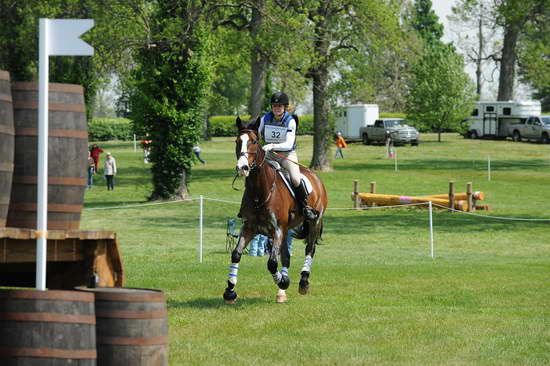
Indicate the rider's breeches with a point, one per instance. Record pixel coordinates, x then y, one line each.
293 169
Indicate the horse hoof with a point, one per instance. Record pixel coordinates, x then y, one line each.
229 296
281 297
284 283
303 289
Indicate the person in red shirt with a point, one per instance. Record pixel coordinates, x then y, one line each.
95 151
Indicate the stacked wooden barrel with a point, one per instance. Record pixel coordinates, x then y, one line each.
6 145
67 156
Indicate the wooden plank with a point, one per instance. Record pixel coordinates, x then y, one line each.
21 233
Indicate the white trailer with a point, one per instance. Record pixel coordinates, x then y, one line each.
350 119
491 119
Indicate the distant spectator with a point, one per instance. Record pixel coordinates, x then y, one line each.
95 151
146 144
109 171
258 245
197 151
91 170
340 144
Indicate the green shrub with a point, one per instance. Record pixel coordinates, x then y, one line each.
219 126
107 129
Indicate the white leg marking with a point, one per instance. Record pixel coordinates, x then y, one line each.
307 264
233 271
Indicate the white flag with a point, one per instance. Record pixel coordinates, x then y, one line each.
63 37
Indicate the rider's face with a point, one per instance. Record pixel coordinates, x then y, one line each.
278 110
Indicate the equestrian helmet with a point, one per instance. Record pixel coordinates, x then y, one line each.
279 98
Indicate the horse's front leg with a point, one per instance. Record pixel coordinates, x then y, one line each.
314 233
281 278
230 295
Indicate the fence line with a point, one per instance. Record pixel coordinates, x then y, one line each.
329 208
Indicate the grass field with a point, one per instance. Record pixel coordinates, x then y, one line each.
377 297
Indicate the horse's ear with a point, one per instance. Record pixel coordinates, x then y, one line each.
255 125
239 123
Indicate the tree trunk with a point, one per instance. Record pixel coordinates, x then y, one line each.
321 108
258 63
479 56
182 192
508 63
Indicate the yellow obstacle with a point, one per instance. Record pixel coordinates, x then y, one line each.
394 200
459 196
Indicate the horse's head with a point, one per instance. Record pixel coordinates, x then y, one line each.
247 147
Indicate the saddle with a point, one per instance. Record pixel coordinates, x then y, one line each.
286 178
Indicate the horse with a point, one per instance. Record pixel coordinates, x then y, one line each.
268 208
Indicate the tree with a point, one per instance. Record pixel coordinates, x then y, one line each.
170 83
478 47
334 32
514 17
426 23
534 56
441 94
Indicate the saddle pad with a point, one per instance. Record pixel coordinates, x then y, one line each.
307 182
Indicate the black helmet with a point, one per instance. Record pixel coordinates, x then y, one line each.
279 98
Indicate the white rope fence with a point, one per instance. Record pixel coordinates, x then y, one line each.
201 200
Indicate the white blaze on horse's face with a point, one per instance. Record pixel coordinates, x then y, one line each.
242 163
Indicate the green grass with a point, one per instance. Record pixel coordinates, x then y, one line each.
377 297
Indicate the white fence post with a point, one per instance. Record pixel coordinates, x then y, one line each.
489 168
431 230
135 143
200 227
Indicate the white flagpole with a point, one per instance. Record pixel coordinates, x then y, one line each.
201 214
42 181
56 37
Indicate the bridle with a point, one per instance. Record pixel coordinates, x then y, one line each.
255 166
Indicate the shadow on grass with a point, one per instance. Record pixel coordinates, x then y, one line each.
214 303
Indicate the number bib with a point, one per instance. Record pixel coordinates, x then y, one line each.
275 134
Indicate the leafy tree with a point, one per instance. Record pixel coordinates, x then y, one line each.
170 83
441 93
426 23
534 54
335 32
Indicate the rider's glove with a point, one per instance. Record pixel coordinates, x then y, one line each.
268 147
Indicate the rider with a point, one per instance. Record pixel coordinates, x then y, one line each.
278 129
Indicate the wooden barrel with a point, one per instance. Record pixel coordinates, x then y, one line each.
67 156
6 145
47 328
132 327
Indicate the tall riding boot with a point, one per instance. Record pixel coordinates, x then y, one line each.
301 196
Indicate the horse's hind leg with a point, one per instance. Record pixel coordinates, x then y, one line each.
230 295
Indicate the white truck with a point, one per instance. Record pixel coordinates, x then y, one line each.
394 128
350 119
491 119
534 128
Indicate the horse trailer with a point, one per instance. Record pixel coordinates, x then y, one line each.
490 119
350 119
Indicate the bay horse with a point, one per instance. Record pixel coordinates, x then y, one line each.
268 208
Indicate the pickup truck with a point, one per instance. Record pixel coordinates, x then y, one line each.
533 128
396 128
